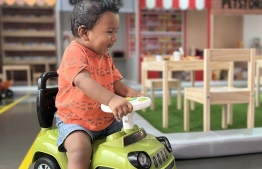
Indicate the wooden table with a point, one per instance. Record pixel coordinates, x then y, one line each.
17 68
45 62
167 66
258 67
26 65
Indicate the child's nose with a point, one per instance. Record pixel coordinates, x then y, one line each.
114 37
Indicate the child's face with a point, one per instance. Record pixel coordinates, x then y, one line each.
103 35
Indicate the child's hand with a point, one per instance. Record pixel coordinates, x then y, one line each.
120 107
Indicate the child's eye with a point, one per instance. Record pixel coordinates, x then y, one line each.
110 32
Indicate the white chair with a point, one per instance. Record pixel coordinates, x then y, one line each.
224 95
157 83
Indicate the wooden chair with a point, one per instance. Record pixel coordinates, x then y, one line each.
157 83
13 68
258 79
225 95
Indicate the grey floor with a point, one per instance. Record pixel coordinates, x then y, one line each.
19 127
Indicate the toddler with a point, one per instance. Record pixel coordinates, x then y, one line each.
88 78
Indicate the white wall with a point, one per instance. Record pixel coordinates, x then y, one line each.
227 31
196 21
252 29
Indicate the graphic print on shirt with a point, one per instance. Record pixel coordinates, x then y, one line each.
74 106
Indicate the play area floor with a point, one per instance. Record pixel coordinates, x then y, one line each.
5 102
19 127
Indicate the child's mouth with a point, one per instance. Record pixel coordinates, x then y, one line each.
109 47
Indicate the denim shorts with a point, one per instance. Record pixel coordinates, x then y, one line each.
65 129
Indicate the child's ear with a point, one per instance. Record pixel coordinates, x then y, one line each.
83 33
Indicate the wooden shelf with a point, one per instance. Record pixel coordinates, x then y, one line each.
30 62
27 29
161 31
11 33
28 36
28 47
27 19
130 27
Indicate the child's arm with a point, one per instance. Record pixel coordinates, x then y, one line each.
119 106
125 91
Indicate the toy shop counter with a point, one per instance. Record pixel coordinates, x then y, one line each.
218 143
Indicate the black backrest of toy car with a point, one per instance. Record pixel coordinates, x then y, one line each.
46 100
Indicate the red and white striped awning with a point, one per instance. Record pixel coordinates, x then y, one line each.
175 4
28 2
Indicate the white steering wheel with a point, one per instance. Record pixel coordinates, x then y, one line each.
138 104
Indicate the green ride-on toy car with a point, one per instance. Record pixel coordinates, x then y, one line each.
129 148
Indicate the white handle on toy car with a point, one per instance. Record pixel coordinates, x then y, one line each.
138 104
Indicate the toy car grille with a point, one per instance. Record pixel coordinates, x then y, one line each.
161 157
135 137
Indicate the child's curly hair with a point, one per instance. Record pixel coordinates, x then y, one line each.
87 13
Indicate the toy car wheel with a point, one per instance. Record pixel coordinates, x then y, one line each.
3 95
46 162
9 93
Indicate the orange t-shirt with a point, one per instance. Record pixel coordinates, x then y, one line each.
73 106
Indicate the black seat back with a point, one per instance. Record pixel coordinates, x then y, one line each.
46 100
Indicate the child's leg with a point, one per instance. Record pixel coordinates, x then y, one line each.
79 149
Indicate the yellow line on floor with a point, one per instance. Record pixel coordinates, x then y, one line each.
28 158
5 108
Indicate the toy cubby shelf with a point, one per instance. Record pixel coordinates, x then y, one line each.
161 31
28 36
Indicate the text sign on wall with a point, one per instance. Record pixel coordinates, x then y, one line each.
239 7
242 4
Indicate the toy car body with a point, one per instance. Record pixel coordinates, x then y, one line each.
5 89
126 149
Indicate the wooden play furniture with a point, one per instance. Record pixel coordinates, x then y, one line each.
29 66
28 38
258 76
157 83
12 68
166 66
225 95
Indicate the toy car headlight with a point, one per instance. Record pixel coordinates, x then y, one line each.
166 142
139 159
